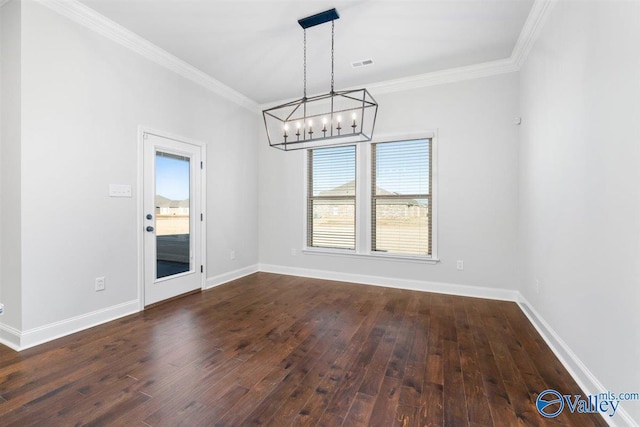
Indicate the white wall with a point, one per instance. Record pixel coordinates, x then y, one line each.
83 97
579 177
10 205
477 209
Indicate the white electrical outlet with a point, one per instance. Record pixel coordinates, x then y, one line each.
460 264
232 254
100 284
293 252
1 309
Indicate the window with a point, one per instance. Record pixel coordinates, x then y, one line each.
401 197
373 199
331 198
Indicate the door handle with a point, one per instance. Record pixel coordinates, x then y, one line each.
149 228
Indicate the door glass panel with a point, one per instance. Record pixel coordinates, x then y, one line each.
173 249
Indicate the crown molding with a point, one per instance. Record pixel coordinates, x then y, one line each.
450 75
540 11
76 11
91 19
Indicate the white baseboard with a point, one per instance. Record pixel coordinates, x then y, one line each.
42 334
220 279
576 368
389 282
10 337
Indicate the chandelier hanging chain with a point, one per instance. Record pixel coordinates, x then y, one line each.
305 64
319 120
332 37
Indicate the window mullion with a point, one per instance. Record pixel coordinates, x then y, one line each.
362 207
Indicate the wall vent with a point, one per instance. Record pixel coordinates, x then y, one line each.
362 63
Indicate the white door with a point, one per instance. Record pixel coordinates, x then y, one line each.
172 218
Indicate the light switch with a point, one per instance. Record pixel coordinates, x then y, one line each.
119 190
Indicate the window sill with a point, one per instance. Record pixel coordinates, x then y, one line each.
353 254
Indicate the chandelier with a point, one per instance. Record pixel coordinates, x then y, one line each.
334 118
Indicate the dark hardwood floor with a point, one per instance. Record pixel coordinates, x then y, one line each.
283 350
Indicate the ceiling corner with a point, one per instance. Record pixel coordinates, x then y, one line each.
540 11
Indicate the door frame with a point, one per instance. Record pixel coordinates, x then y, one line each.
142 130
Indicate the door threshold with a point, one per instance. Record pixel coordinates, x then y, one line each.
186 294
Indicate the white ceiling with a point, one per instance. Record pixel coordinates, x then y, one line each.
255 47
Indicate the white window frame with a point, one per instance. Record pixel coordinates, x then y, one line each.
363 204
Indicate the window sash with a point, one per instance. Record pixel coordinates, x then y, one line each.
336 227
401 241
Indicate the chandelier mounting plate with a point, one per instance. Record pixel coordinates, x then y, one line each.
319 18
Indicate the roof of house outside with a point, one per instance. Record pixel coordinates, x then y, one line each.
348 189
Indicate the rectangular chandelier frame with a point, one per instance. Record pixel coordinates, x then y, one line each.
336 118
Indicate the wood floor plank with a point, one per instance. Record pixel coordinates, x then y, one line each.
475 395
407 416
432 407
417 360
454 399
384 411
282 350
404 341
378 365
492 380
360 412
